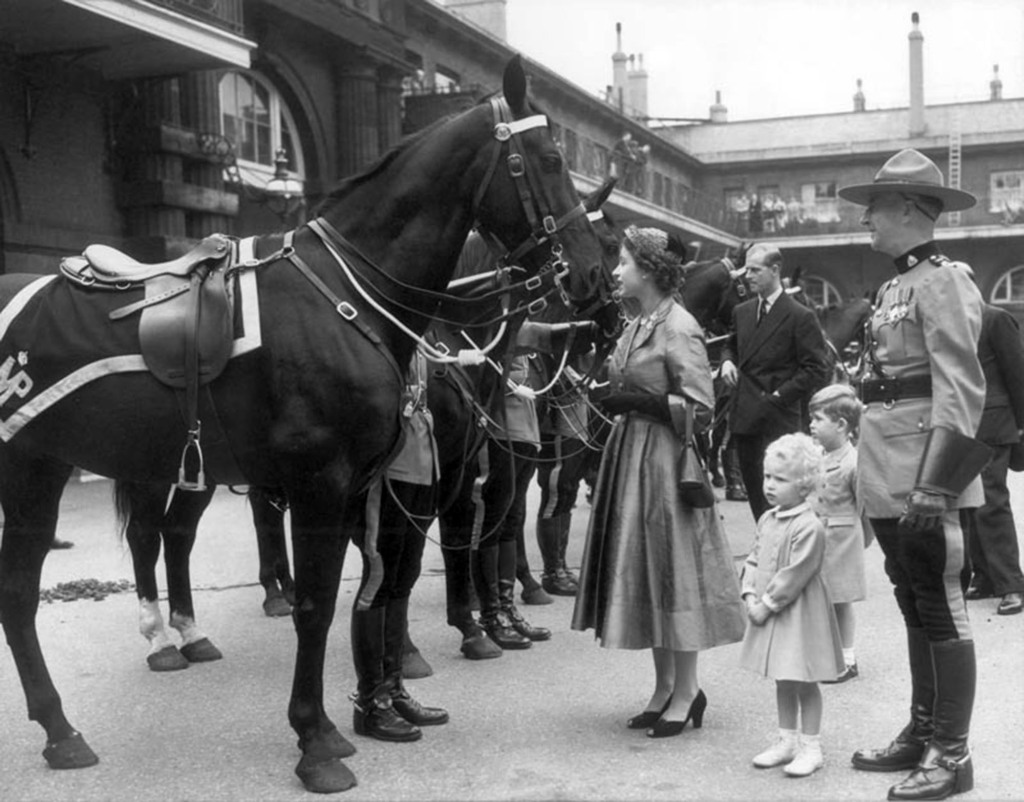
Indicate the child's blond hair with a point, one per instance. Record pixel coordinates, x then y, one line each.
838 401
801 455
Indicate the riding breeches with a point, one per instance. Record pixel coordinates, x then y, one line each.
391 540
929 571
563 461
509 468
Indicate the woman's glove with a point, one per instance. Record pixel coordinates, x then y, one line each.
653 406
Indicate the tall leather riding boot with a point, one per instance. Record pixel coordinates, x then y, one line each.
506 594
374 714
734 488
564 527
946 767
396 622
553 579
492 618
533 592
907 748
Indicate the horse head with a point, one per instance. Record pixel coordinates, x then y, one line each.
551 232
711 290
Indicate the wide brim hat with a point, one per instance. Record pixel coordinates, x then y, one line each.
912 172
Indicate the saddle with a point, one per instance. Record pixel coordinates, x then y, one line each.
186 325
187 301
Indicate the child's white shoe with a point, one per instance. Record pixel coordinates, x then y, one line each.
807 761
782 751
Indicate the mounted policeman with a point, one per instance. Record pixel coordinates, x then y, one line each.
919 462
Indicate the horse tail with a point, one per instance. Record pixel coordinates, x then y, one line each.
122 506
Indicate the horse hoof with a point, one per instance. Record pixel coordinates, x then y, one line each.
324 776
167 659
70 753
480 647
201 651
277 607
414 666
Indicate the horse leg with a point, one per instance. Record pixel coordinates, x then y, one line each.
142 507
30 491
275 577
319 540
180 523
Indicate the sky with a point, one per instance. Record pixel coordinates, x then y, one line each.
775 58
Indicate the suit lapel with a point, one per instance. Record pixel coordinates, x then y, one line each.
760 334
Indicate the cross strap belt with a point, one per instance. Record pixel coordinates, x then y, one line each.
891 390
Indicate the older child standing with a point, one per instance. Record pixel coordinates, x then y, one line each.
835 416
792 635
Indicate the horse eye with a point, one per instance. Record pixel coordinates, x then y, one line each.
552 163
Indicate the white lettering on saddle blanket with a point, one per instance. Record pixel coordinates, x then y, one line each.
19 384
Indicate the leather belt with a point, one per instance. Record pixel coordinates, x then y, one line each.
892 390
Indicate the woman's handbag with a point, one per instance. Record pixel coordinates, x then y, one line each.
694 487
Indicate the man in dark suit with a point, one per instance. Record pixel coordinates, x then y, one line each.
776 359
993 542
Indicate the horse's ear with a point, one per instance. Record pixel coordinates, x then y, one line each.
596 199
513 85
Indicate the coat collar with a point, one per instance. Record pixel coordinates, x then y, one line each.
792 512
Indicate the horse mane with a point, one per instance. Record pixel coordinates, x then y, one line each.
405 143
342 189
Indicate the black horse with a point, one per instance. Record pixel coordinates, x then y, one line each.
315 409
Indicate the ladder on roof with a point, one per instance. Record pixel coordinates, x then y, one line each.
955 157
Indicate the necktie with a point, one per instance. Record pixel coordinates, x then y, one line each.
762 309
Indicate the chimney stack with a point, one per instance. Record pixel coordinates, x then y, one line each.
995 86
637 89
719 113
619 60
858 98
916 38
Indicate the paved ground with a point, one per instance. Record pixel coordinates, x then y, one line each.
547 723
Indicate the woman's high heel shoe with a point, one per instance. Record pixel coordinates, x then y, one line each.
648 718
665 729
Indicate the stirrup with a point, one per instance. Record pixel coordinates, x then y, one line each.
199 485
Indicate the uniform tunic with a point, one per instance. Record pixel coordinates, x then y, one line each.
656 573
836 506
926 323
800 640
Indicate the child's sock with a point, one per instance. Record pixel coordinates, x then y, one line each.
849 657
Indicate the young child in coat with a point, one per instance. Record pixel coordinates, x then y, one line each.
835 416
792 635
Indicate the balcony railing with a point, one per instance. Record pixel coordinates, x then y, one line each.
224 14
595 160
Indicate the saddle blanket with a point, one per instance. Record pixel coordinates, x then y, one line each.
56 337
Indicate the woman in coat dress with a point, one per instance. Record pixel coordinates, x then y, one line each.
656 573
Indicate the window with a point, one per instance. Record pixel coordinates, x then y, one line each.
445 80
819 202
256 120
1006 192
1010 287
820 292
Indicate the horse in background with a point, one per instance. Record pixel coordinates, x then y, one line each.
315 410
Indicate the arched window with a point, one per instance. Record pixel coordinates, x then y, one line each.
820 292
254 116
1010 287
